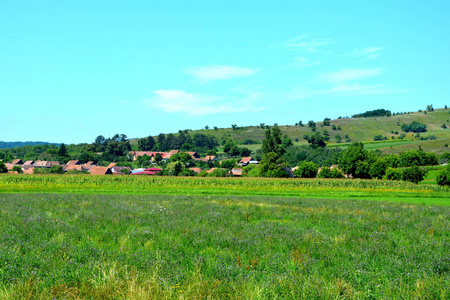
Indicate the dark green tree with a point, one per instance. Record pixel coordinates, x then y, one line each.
306 170
315 140
3 168
62 151
414 174
443 177
272 165
146 144
355 161
273 142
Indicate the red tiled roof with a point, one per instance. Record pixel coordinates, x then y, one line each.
97 170
17 161
246 159
196 170
112 165
74 167
73 162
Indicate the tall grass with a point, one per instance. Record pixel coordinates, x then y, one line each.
68 246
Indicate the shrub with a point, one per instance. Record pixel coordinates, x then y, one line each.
414 127
393 174
443 177
3 168
306 170
414 174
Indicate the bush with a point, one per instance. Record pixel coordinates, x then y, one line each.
3 168
306 170
414 127
414 174
443 177
17 169
393 174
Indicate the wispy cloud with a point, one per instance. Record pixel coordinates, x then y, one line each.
179 101
342 90
303 62
306 44
368 53
346 75
210 73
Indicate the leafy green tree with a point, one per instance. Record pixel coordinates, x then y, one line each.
417 158
273 142
158 157
146 144
414 174
181 156
378 168
327 172
355 161
218 173
306 170
272 165
315 140
414 127
143 161
312 124
393 174
62 151
57 169
443 177
3 168
17 169
326 122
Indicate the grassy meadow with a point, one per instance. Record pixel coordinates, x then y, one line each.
100 237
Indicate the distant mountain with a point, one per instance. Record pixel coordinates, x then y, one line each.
21 144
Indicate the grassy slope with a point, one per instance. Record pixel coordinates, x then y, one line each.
359 130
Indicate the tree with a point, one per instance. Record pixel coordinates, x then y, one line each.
443 177
146 144
3 168
315 140
100 140
326 122
312 124
414 174
272 165
62 151
158 158
57 169
306 170
355 161
273 142
17 169
414 127
234 126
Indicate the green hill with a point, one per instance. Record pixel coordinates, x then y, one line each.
356 130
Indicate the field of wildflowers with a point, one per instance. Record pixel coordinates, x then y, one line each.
109 246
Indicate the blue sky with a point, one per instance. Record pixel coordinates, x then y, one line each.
73 70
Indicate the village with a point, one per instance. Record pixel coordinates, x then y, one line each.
156 160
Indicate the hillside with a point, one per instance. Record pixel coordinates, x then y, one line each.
356 130
21 144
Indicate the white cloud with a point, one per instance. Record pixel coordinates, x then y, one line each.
178 101
303 62
346 75
368 53
305 44
210 73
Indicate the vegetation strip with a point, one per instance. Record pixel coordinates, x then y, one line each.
68 246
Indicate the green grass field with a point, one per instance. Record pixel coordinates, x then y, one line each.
100 237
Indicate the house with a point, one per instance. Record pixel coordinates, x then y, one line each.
194 155
97 170
172 152
236 172
196 170
73 162
148 171
112 165
28 163
210 158
151 154
17 162
74 167
246 161
117 170
45 164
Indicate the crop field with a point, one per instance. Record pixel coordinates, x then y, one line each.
104 237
